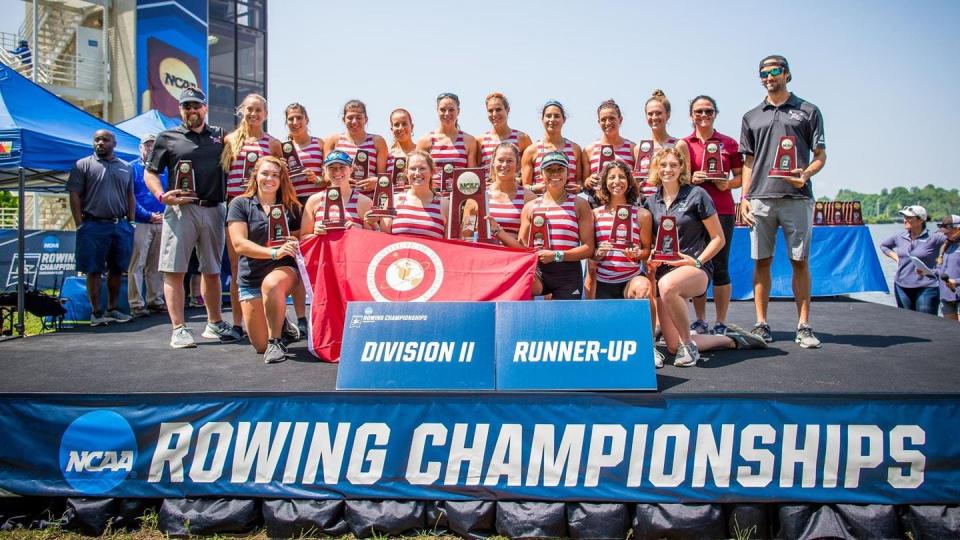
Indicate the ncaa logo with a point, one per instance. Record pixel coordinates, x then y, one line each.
97 452
404 272
51 243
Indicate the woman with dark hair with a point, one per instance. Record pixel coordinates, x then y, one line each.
553 116
703 113
309 149
448 145
266 274
700 238
948 268
505 196
609 118
498 109
420 211
657 110
914 289
356 138
337 168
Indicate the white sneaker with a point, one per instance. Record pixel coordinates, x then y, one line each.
687 355
182 338
657 358
98 320
115 315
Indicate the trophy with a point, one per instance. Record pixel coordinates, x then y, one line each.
538 237
644 156
818 217
606 156
857 217
786 160
279 230
249 160
361 167
621 234
838 213
399 176
334 215
668 241
712 161
185 180
468 193
383 197
446 178
292 158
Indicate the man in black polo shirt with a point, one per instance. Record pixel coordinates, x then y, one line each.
191 221
102 204
772 202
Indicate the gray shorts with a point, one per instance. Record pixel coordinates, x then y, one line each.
796 218
189 226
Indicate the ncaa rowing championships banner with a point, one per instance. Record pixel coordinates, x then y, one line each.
171 52
580 447
359 265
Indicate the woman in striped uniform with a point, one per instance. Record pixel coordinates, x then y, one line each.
448 145
658 116
336 171
498 109
570 232
308 148
609 118
401 126
242 147
505 197
356 138
553 117
420 211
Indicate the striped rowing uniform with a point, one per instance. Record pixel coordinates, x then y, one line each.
442 154
507 214
489 142
615 267
236 183
416 219
311 156
353 213
369 145
572 158
562 224
624 153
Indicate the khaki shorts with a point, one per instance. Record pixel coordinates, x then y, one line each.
796 218
189 226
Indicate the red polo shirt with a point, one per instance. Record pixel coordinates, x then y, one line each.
729 154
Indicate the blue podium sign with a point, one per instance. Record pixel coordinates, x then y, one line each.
418 346
595 345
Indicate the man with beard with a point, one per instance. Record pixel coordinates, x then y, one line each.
102 204
772 201
191 220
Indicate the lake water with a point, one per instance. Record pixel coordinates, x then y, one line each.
879 234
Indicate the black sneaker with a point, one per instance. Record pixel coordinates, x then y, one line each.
290 333
762 331
302 327
744 339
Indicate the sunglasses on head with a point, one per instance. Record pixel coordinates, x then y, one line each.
775 72
190 105
448 95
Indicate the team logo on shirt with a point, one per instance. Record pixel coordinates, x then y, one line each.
607 151
645 146
667 225
797 115
786 144
275 213
712 148
404 271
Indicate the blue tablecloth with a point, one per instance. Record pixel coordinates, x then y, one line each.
843 260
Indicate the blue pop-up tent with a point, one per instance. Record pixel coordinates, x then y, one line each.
41 137
151 122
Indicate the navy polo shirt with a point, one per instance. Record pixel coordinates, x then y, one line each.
691 207
103 186
250 272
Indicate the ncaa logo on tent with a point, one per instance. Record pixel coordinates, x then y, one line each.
404 272
97 452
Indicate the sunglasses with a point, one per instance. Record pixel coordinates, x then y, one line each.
775 72
191 105
448 95
704 112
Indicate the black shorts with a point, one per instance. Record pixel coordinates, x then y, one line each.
563 280
721 262
614 291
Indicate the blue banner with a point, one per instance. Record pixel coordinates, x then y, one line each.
587 447
171 52
417 346
48 258
575 346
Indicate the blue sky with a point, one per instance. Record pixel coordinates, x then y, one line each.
884 74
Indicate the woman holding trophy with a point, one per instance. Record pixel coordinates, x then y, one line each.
611 145
448 146
553 117
318 219
309 150
506 197
498 109
688 237
263 222
657 110
419 211
367 151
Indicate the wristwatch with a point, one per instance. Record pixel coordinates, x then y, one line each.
558 256
697 263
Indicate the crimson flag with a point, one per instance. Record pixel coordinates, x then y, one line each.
360 265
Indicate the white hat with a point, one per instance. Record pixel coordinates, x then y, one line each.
916 211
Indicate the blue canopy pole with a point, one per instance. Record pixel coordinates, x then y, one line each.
20 251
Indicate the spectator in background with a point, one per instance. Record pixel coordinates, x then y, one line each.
102 204
948 267
23 53
144 282
914 288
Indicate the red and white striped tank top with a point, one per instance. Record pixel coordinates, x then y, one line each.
615 267
391 160
236 183
562 223
624 153
412 219
445 153
353 213
489 143
369 145
508 214
311 156
572 158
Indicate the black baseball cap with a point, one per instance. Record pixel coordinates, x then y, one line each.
194 95
777 60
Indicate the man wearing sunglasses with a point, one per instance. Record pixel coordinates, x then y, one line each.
769 203
191 220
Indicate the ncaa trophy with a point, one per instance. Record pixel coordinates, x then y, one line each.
818 218
186 182
399 176
334 215
361 167
606 156
642 169
279 230
383 197
668 240
857 217
292 159
786 160
538 237
712 161
249 160
468 205
446 178
621 233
